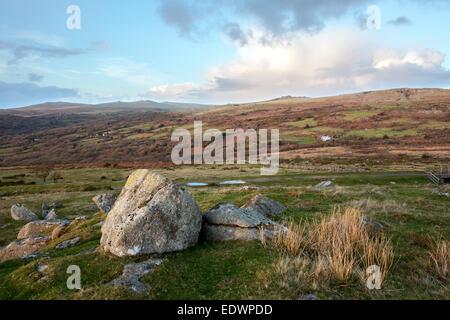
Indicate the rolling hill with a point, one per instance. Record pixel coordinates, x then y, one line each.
366 126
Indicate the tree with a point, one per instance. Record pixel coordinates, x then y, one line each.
55 176
42 172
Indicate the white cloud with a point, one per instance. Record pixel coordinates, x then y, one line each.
128 70
320 64
427 59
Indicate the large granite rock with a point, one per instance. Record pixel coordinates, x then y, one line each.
23 247
151 215
105 201
266 206
22 213
227 221
35 228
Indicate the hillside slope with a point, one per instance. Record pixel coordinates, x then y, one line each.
377 125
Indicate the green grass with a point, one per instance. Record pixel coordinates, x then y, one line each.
408 209
302 123
299 140
381 132
360 115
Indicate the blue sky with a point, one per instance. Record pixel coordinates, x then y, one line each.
217 51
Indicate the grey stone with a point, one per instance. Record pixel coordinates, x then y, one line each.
44 255
226 221
311 297
105 201
441 193
324 184
27 246
151 215
132 273
22 213
47 206
231 215
51 215
68 243
42 268
268 207
369 222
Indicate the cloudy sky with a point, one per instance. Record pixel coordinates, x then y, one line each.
221 51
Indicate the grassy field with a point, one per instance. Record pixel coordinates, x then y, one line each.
412 215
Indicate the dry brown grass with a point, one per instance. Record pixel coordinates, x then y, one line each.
440 257
291 239
336 246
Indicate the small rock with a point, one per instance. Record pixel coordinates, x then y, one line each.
441 193
51 205
370 222
392 182
324 184
36 255
22 213
132 273
87 251
27 246
105 201
311 297
42 268
47 207
51 215
5 226
251 187
68 243
3 193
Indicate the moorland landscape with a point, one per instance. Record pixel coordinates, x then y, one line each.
334 208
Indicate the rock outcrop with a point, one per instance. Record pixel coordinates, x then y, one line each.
23 247
227 221
22 213
35 228
266 206
105 201
151 215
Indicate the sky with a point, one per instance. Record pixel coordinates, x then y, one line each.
217 52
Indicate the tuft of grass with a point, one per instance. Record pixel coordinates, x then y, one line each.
291 239
440 257
338 245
